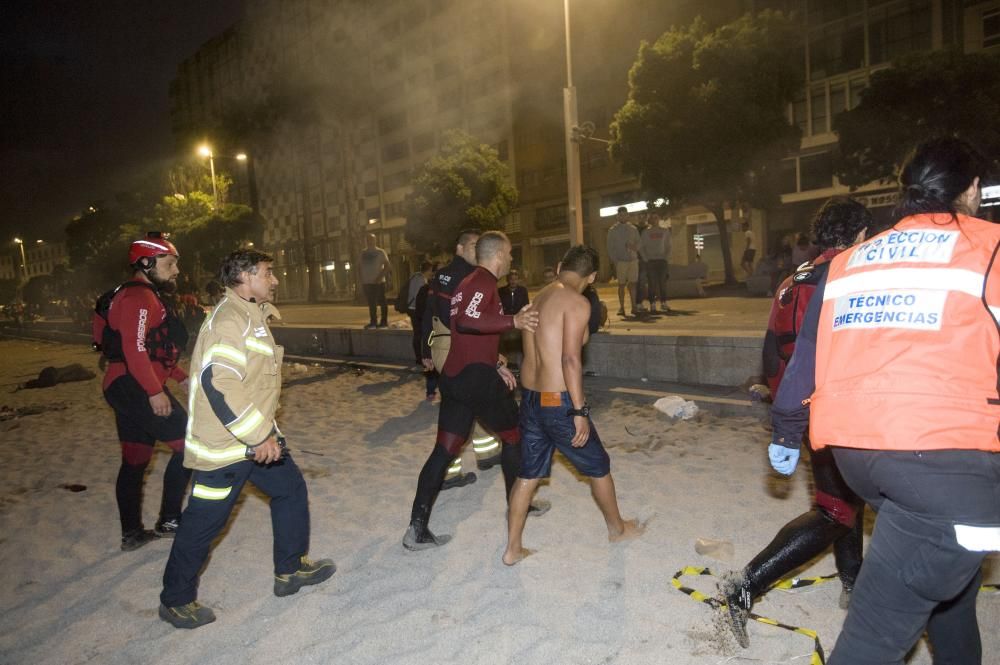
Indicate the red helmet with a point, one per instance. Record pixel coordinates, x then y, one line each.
153 245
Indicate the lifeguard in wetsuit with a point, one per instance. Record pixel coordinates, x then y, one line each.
142 338
834 518
436 340
473 383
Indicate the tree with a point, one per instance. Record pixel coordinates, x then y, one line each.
97 245
705 120
202 231
940 93
464 185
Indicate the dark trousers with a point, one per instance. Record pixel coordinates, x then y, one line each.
656 277
642 282
916 575
138 431
375 295
208 511
415 337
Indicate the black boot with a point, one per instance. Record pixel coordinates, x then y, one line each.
418 536
802 539
847 553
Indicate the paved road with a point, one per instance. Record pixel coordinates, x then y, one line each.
727 314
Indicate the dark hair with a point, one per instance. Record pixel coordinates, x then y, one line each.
623 209
426 265
240 261
936 173
582 260
466 234
838 222
489 244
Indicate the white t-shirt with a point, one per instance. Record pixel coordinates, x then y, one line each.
750 240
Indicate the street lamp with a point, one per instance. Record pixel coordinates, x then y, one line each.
574 205
205 151
24 259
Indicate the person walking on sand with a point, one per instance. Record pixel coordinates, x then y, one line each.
232 438
474 383
140 335
554 411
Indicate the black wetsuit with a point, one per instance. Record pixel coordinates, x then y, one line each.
471 388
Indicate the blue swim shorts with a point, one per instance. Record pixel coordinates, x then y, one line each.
545 428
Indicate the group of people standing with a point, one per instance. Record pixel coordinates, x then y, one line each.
884 349
640 258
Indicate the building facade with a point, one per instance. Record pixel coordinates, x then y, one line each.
367 90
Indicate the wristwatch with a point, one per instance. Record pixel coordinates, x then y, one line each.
582 411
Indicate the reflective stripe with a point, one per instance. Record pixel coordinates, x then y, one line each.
259 347
234 453
938 279
210 493
484 439
482 449
224 351
218 364
456 466
246 423
978 538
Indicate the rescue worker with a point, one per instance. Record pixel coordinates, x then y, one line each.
141 337
474 383
836 514
897 361
436 340
232 438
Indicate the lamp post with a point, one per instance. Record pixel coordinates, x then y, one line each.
205 151
574 204
24 259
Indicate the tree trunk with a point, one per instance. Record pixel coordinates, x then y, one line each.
718 209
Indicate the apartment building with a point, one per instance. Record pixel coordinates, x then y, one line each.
392 76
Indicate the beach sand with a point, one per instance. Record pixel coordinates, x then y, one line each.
360 436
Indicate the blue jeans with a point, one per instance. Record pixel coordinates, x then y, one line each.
545 428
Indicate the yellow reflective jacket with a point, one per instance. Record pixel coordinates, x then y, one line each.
236 407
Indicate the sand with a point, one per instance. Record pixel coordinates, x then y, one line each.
70 596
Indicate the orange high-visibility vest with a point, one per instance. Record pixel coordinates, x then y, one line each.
908 343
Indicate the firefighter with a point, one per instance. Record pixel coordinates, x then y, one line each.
896 369
141 337
232 438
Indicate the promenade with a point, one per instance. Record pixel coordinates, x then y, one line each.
725 312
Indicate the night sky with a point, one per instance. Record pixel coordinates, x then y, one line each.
84 107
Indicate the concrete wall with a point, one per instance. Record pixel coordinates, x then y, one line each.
724 361
719 361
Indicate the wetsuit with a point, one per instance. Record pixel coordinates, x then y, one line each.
836 508
439 290
148 338
470 388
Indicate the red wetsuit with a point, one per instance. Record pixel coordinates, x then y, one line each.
135 312
477 319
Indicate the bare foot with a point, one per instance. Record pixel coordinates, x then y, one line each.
630 529
511 559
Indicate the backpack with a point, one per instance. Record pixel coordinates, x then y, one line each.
402 302
787 312
163 343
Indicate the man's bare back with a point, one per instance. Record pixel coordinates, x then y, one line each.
562 324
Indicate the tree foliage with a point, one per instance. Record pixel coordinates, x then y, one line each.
705 120
464 185
923 95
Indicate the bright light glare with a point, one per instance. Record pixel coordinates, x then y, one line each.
204 150
18 241
991 196
635 206
242 156
330 266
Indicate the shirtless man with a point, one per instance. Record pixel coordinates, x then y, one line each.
554 412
